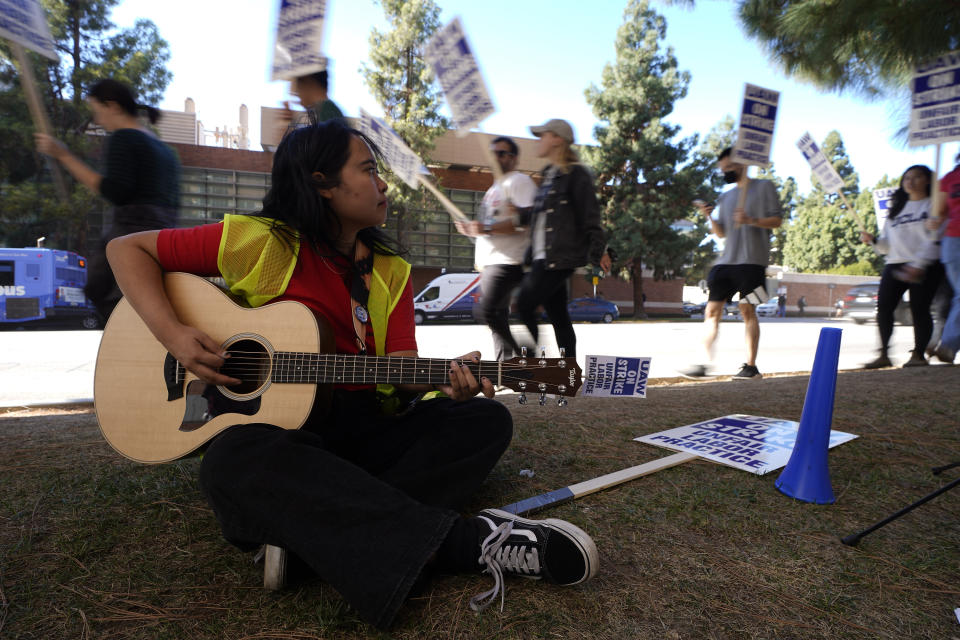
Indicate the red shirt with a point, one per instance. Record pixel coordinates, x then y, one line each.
950 185
319 283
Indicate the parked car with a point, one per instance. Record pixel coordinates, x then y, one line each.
768 309
860 305
593 310
694 308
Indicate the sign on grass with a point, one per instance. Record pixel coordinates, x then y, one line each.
402 160
829 179
453 62
615 377
23 22
299 39
758 115
750 443
935 108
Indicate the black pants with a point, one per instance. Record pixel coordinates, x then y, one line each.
921 296
101 286
497 283
542 286
364 499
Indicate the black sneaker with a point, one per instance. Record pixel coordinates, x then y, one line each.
748 372
553 550
880 362
695 372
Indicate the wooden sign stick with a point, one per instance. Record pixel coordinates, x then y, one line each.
574 491
38 113
451 208
935 187
856 216
742 196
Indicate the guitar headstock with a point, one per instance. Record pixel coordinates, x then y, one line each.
553 376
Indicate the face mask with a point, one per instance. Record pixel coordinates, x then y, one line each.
730 177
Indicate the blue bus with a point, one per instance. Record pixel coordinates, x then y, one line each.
40 284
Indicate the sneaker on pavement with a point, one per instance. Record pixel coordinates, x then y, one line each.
748 372
945 354
879 362
695 372
553 550
916 360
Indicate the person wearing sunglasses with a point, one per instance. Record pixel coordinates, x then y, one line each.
501 244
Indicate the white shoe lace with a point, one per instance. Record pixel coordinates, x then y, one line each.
497 557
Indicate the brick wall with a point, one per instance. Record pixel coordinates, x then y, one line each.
192 155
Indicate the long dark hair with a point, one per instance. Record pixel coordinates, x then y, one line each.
899 198
294 202
109 90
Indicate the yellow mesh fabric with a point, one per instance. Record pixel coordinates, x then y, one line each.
255 263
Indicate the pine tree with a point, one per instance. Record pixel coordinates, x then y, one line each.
646 180
90 47
403 84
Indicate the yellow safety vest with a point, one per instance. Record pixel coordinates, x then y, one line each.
257 265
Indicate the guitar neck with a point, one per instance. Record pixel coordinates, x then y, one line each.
323 368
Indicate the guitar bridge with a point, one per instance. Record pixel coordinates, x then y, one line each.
172 378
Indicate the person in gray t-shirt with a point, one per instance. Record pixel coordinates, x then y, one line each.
745 226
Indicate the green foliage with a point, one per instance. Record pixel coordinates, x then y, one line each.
90 48
402 82
867 46
862 268
646 179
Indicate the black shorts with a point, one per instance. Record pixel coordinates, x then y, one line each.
725 280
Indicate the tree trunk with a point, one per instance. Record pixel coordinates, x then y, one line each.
636 276
77 62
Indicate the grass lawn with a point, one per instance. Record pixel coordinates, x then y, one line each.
95 546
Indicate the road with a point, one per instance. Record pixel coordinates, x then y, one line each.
51 367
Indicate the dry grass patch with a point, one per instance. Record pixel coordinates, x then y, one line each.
94 546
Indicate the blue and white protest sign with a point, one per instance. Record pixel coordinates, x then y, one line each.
615 377
402 160
750 443
829 179
23 22
935 103
881 204
453 62
758 115
299 40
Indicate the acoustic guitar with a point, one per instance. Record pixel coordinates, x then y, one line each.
151 409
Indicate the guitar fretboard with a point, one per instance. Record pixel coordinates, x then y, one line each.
321 368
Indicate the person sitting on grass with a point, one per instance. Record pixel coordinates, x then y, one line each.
367 499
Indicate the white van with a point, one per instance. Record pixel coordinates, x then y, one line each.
451 296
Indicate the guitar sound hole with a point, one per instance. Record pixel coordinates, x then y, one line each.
249 362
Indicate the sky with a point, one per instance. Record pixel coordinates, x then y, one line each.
538 57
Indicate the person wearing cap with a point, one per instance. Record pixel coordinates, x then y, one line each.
501 244
565 233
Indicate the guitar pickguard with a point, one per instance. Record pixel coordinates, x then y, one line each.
204 402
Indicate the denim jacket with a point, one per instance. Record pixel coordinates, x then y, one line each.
574 236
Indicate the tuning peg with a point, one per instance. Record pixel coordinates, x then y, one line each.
523 397
561 401
543 352
523 352
543 399
563 352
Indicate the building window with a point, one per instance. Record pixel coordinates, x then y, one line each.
207 194
434 241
